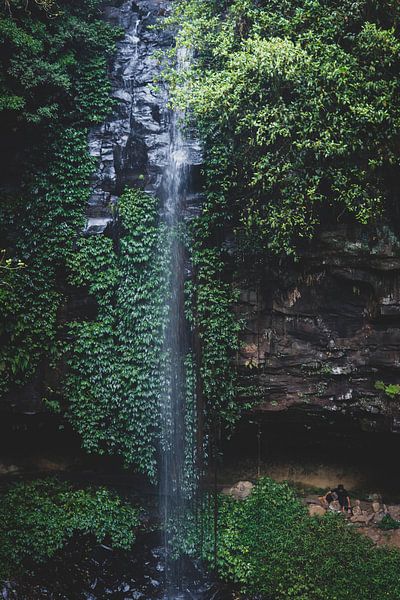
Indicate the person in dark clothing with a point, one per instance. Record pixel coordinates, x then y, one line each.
343 498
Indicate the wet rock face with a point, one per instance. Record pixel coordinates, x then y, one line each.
323 331
132 145
138 127
240 491
91 571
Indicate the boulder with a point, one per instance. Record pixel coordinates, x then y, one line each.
335 506
240 491
375 497
393 538
314 510
394 511
313 500
359 515
374 534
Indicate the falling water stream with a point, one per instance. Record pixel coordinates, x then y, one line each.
175 487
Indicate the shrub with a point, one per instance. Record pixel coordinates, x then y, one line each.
297 103
389 523
270 546
39 517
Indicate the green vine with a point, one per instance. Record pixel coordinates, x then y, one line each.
53 86
38 518
392 390
191 458
45 226
218 328
116 362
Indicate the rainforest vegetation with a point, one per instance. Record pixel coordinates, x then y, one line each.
270 546
297 104
54 85
297 107
38 518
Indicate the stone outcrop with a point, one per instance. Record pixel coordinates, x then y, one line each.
365 518
132 146
321 332
316 511
240 491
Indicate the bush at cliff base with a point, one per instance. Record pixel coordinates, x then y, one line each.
271 547
38 518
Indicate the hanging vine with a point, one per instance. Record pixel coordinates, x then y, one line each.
116 361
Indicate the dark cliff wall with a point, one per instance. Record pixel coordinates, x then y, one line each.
318 333
131 149
132 146
321 332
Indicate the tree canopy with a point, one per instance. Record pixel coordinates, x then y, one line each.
298 106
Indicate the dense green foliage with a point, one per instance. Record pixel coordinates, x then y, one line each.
53 85
30 298
298 105
52 62
271 547
116 361
211 309
38 518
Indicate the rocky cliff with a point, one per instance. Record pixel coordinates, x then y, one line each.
321 332
132 146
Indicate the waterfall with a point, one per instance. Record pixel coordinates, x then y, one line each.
142 144
177 478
